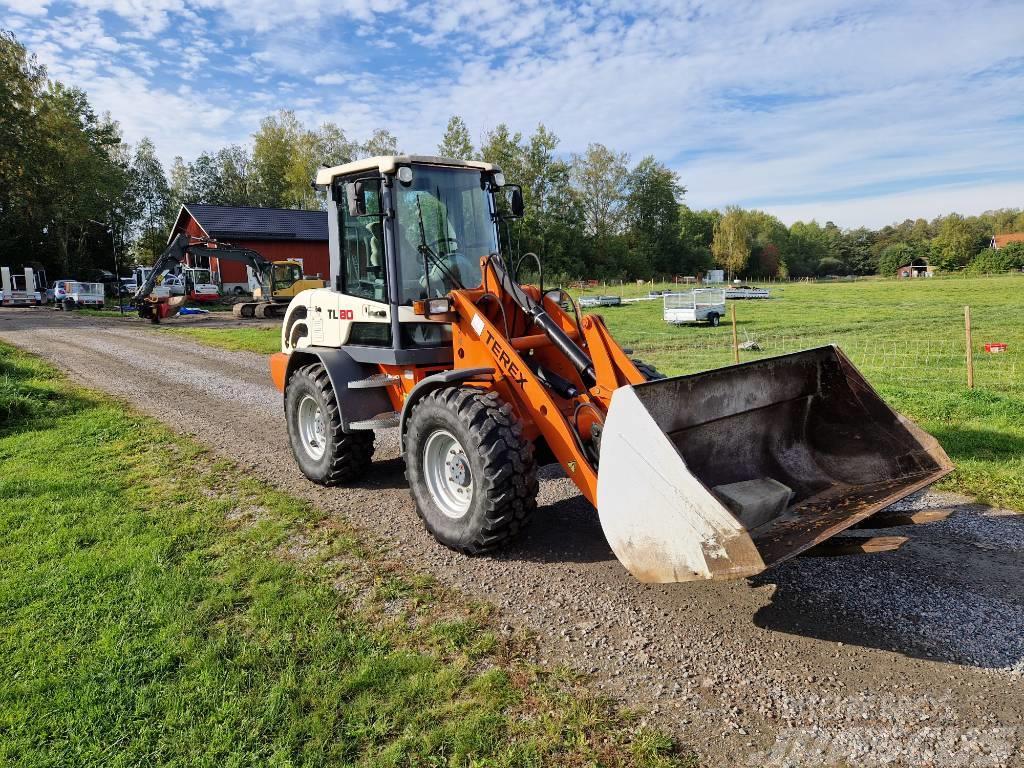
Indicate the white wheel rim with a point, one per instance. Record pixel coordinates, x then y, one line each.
312 429
448 473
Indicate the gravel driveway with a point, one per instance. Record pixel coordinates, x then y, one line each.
902 658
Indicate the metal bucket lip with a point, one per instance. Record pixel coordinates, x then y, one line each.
824 348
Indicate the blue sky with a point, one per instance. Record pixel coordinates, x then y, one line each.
858 112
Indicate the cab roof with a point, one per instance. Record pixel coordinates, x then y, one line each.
388 163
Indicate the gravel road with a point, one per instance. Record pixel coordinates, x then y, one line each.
907 658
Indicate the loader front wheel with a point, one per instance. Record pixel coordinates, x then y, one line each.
325 453
471 473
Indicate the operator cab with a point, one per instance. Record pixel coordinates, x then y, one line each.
404 229
447 210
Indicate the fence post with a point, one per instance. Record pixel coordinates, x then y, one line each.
735 339
970 348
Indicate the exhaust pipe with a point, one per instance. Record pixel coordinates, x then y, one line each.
725 473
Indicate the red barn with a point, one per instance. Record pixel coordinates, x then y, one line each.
274 233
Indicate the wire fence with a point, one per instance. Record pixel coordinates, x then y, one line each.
904 361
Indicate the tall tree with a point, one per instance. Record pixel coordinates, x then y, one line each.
152 195
769 245
857 251
731 244
652 216
894 256
456 143
274 147
235 176
957 242
696 231
382 142
599 178
807 247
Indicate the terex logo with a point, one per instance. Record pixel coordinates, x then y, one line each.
505 361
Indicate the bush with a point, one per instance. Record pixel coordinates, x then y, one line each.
991 260
831 266
895 256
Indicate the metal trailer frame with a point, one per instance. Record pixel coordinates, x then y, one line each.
697 306
747 293
28 295
86 294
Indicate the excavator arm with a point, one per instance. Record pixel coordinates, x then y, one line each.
155 308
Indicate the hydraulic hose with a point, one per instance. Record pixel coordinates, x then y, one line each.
547 324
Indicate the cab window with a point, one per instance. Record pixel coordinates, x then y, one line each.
362 252
286 275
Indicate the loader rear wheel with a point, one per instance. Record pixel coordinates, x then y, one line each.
325 453
471 473
649 371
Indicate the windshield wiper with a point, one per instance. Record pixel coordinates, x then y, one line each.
427 252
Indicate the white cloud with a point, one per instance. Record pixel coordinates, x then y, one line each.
334 78
28 7
879 210
807 105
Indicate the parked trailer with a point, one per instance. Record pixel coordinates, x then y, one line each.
746 292
701 305
600 301
21 289
76 295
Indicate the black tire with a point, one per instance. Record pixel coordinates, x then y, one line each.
649 371
713 320
346 456
501 467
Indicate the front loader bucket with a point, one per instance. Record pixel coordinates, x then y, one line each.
722 474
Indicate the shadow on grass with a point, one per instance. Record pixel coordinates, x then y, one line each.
29 392
979 444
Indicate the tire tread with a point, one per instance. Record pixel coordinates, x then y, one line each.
510 472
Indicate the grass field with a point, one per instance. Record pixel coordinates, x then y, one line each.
157 607
906 336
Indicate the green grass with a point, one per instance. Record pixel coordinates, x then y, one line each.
264 341
158 607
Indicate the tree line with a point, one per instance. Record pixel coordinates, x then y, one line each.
73 191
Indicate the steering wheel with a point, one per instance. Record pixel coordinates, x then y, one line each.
443 239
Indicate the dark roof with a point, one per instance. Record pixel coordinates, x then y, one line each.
244 223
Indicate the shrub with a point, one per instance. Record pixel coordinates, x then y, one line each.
1006 259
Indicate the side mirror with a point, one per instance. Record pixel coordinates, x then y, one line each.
363 197
516 206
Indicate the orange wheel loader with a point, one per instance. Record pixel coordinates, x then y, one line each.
424 328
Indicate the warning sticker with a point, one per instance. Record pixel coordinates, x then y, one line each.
478 324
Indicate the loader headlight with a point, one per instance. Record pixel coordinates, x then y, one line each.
427 307
405 174
499 179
